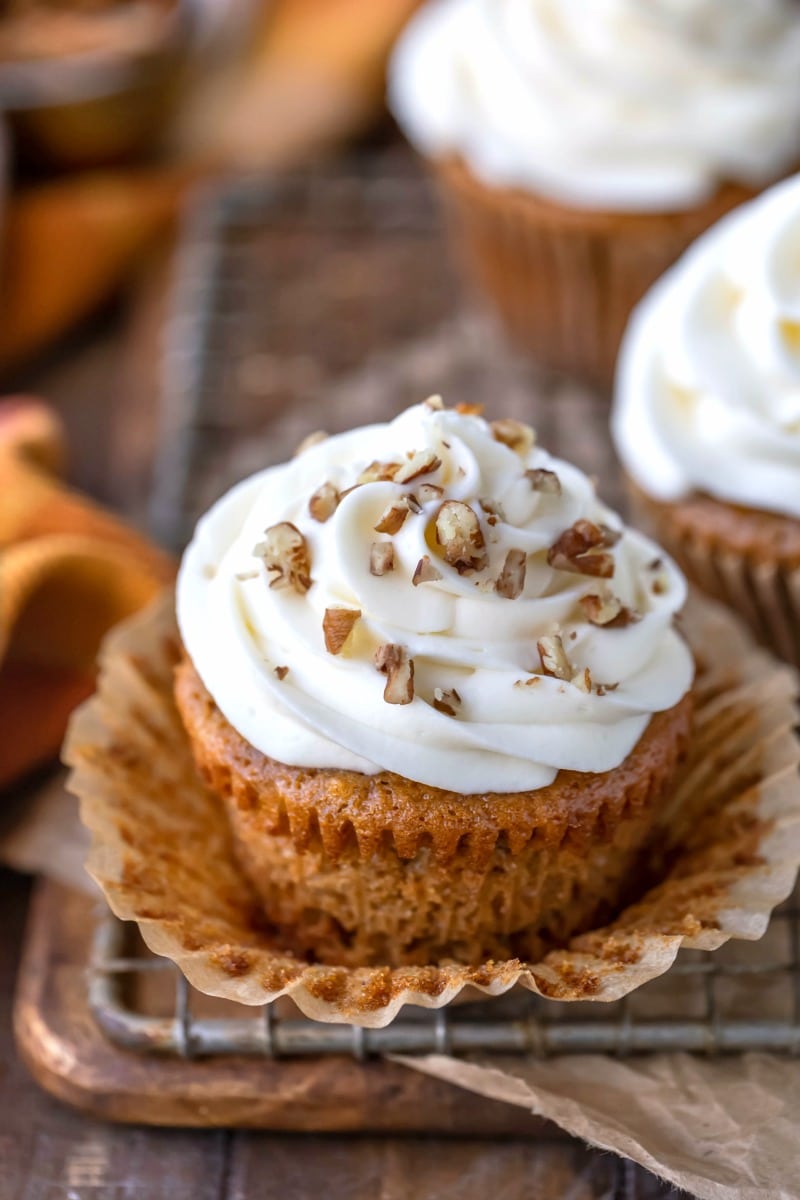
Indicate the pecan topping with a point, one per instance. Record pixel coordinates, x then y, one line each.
606 610
285 554
381 558
393 661
553 657
337 625
393 517
493 509
610 536
544 481
580 550
312 439
379 472
324 502
421 462
458 532
514 434
446 701
426 492
531 681
583 680
470 410
511 579
281 672
425 572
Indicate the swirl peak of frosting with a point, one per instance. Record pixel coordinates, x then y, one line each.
708 382
437 597
627 105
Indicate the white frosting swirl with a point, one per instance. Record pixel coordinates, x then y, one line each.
329 711
708 382
629 105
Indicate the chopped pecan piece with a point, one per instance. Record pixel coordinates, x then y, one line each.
285 554
511 579
553 658
446 701
421 462
608 611
381 558
324 502
425 572
518 436
610 536
393 517
426 492
281 672
458 532
470 410
583 680
544 481
378 472
393 661
337 625
579 549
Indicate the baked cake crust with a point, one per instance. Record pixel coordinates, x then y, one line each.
371 869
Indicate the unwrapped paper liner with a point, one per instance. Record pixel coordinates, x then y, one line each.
162 851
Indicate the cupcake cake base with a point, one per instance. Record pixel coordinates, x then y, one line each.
163 853
376 869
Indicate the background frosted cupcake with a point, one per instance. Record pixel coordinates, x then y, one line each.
583 146
707 413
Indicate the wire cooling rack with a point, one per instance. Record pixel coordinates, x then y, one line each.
326 301
743 997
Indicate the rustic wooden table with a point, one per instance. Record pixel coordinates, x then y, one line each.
103 384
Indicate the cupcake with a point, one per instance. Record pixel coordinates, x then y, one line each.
707 413
437 687
582 147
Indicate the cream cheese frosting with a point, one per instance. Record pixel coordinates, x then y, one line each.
708 381
627 105
513 676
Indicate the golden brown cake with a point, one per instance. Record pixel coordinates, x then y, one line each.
368 869
436 686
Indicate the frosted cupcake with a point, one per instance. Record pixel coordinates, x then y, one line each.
707 413
582 147
437 686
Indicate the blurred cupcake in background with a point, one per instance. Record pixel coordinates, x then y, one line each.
707 413
583 146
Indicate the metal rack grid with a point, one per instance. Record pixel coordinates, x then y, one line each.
224 315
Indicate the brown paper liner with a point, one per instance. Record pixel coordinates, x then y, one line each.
162 853
565 280
763 590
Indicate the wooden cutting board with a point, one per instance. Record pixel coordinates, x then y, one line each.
71 1057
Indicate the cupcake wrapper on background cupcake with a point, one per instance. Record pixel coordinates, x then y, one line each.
565 280
758 581
162 849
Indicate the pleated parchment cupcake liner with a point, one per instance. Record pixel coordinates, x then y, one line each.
162 851
565 280
765 594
